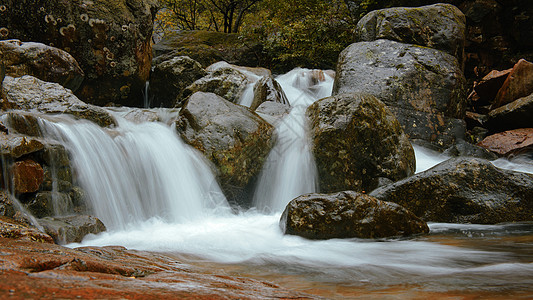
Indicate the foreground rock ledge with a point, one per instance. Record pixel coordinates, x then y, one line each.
348 215
33 270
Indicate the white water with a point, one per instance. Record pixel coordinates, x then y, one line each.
154 193
138 172
290 169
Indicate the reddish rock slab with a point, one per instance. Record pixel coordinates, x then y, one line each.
509 142
518 84
30 270
27 176
489 86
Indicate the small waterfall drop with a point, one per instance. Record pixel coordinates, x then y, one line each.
290 169
139 171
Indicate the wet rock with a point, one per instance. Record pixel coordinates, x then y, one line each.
38 270
228 83
272 112
464 190
45 204
22 122
11 229
348 215
31 94
268 89
463 148
517 114
488 87
509 142
423 87
6 204
15 146
170 77
252 73
208 47
71 229
41 61
356 139
27 176
111 40
235 139
439 26
518 84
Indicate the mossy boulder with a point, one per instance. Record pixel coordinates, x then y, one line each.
464 190
208 47
111 40
424 87
228 83
231 136
439 26
170 78
348 215
355 140
268 89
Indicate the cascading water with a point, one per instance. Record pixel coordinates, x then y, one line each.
290 170
143 175
139 171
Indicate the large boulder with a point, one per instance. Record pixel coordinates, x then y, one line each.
424 88
348 215
439 26
235 139
268 89
464 190
355 140
41 61
170 77
209 47
111 40
31 94
71 229
227 83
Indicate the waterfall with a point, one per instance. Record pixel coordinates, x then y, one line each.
139 171
290 170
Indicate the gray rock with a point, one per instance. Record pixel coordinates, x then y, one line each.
517 114
425 88
227 83
32 94
170 77
41 61
268 89
272 112
71 229
234 138
348 215
439 26
464 190
356 140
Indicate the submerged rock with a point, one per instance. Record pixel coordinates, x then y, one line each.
169 79
464 190
348 215
356 140
31 94
41 61
111 40
424 88
439 26
235 139
71 229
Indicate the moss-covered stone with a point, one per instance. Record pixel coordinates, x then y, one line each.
348 215
464 190
356 140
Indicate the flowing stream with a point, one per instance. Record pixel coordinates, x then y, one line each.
155 193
